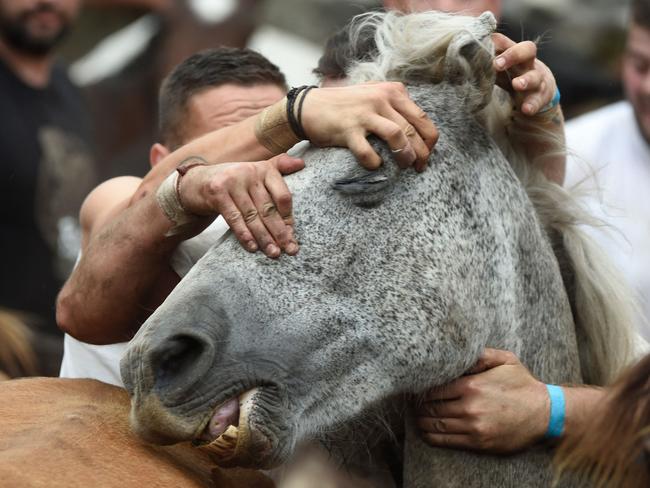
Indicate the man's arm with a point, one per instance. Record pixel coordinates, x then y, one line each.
340 116
124 272
499 408
116 263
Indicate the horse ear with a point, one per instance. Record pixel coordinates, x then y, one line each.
468 61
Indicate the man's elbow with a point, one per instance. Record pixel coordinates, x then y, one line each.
73 318
65 316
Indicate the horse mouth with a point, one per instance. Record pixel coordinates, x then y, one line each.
232 438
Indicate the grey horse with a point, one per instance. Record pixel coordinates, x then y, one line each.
401 281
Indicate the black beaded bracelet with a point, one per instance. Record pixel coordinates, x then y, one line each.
296 121
302 134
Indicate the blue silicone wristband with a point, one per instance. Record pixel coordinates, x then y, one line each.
553 103
558 412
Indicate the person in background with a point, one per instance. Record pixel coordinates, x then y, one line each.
610 151
46 165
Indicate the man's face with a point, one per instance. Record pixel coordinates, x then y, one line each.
215 108
636 75
468 7
36 26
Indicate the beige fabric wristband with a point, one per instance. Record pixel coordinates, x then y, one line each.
169 201
273 130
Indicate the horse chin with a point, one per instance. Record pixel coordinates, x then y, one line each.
249 441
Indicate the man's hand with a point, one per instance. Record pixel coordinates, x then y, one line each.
252 197
519 69
344 116
499 407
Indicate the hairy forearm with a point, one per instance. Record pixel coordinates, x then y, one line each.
120 276
235 143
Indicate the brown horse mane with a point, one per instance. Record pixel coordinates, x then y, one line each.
614 449
17 357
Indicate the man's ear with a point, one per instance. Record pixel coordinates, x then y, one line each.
157 153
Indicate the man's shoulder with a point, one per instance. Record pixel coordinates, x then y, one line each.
107 198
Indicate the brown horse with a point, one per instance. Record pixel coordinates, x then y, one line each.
75 433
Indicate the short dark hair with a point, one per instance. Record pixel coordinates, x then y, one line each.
641 13
209 69
340 53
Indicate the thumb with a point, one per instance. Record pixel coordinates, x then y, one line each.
491 358
286 164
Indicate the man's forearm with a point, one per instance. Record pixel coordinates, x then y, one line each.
235 143
120 277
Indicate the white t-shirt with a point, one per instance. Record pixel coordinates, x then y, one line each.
82 360
612 160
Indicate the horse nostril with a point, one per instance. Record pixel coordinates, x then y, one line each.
177 358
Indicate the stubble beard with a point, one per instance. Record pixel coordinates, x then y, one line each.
16 34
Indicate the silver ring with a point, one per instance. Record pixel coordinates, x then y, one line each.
397 151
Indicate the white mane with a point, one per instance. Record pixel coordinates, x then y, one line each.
411 47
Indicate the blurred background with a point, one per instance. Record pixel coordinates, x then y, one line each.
120 51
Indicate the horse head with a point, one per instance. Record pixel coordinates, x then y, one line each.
401 280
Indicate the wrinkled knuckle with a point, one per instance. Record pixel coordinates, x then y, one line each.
409 131
439 425
233 216
268 209
250 215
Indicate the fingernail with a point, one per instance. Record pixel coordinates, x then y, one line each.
500 62
292 248
523 83
251 246
272 250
